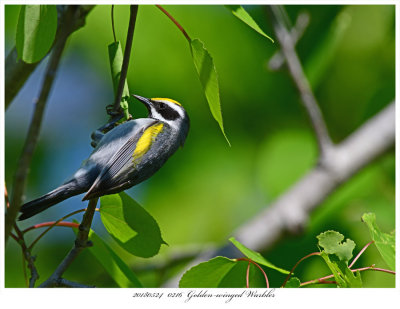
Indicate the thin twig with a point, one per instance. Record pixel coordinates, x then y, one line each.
175 22
278 15
361 252
61 282
24 269
297 264
27 256
112 23
51 226
81 242
323 279
302 21
258 266
248 275
35 126
125 61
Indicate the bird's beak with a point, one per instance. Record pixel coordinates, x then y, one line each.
147 102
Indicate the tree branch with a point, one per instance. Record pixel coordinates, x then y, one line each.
81 242
71 17
287 43
302 21
127 55
17 72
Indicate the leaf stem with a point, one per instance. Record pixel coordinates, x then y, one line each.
248 275
372 267
298 262
50 227
361 252
175 22
258 266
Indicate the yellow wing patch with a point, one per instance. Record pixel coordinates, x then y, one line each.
166 99
145 141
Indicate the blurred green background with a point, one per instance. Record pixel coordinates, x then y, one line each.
207 189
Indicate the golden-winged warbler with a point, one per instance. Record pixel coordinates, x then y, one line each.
123 157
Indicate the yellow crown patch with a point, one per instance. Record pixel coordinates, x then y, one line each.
166 99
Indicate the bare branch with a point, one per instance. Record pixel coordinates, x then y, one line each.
278 15
81 242
302 21
17 71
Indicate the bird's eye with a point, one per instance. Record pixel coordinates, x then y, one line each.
163 105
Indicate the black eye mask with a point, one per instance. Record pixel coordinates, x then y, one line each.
167 112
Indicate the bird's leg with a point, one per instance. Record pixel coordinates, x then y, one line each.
98 134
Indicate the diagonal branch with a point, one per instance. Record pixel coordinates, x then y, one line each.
81 242
70 18
287 43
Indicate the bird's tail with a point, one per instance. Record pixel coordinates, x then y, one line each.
50 199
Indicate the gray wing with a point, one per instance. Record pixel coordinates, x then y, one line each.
106 181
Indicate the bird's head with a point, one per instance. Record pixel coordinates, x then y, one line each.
168 111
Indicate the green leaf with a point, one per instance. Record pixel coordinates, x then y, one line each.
344 277
36 30
255 256
130 225
242 14
207 274
112 263
293 282
331 241
116 58
385 243
207 72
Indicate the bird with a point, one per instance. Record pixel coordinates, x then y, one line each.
125 156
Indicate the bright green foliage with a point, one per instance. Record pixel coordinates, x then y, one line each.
255 256
224 272
130 225
116 58
36 30
242 14
293 282
331 241
207 274
336 255
207 72
384 242
344 277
